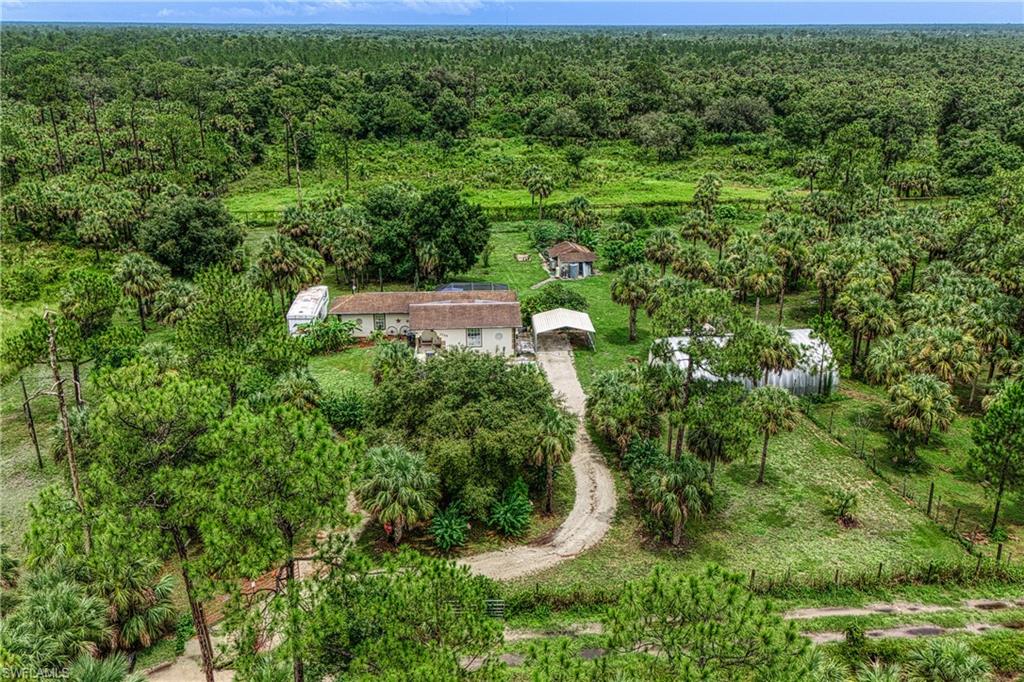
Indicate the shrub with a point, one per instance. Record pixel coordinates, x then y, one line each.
841 504
184 630
545 233
554 295
634 216
20 283
327 336
510 516
449 528
189 233
344 410
660 216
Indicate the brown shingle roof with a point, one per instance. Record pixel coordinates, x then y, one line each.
399 301
571 252
465 315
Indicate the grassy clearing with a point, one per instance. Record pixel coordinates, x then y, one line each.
347 370
857 419
490 171
21 478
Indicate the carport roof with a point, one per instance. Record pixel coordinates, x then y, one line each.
561 318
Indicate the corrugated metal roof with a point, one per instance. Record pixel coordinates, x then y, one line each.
561 318
813 370
308 302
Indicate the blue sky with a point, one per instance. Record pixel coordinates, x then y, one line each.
519 12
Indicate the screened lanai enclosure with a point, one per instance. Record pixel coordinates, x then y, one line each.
816 373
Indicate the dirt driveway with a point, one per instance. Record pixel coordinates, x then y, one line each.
594 508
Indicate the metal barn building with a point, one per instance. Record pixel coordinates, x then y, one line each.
816 371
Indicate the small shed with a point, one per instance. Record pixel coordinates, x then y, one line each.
309 305
562 319
569 260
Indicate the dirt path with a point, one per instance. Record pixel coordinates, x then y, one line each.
594 508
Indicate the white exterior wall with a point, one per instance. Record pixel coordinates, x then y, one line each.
395 324
498 341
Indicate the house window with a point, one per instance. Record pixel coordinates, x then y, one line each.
474 338
379 322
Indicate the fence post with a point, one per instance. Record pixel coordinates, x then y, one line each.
878 578
999 553
753 573
956 521
977 569
931 493
837 576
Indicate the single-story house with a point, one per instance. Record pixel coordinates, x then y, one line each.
815 373
569 260
309 305
432 320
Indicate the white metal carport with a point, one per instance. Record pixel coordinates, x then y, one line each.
562 319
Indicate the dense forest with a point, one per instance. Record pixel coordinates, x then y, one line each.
188 484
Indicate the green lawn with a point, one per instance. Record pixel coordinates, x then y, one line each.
614 174
857 420
349 369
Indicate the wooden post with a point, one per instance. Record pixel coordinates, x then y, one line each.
837 576
956 520
931 493
977 569
753 573
904 486
999 553
879 576
31 422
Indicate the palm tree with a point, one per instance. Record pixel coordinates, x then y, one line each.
695 226
173 301
140 278
56 622
631 288
992 325
706 194
917 405
139 602
877 671
718 234
554 444
947 660
887 362
944 351
540 185
682 490
690 261
762 276
775 351
283 265
397 488
391 358
661 248
774 410
114 668
428 259
810 167
348 242
297 388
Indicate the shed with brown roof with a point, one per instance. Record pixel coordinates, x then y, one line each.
569 260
